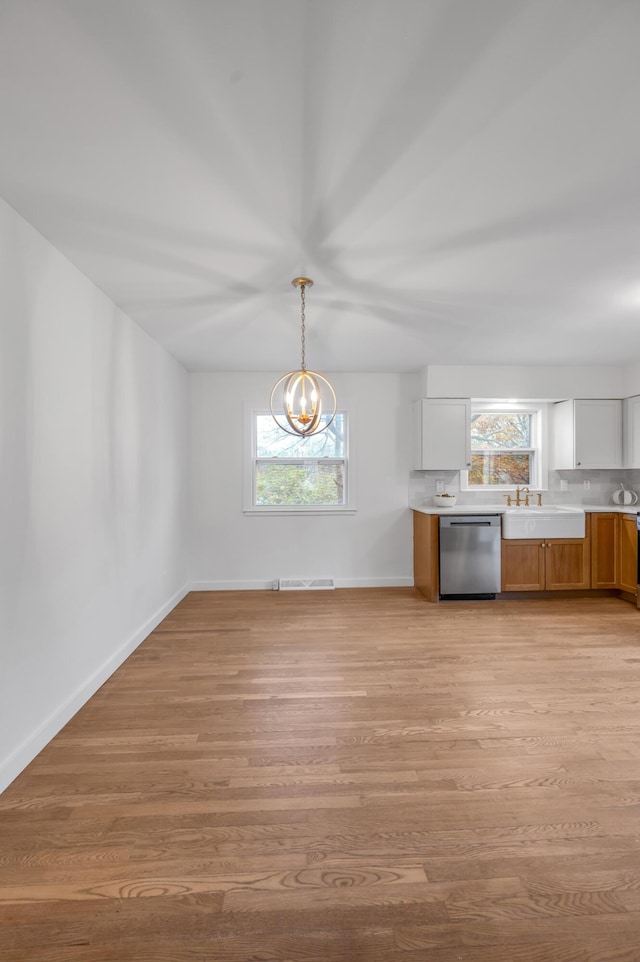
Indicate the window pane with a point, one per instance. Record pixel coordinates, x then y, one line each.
310 482
500 430
500 469
273 442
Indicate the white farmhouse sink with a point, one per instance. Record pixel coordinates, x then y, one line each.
544 522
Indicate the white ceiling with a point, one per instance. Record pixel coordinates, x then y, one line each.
461 178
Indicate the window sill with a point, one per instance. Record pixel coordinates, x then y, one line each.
291 511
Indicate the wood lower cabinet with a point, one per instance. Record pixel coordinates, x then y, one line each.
604 550
552 564
606 558
627 553
568 563
426 554
614 552
523 565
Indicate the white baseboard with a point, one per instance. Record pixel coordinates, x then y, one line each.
21 756
231 585
268 585
374 582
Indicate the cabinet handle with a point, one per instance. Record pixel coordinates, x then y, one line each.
578 463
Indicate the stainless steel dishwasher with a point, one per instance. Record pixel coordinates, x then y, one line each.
469 556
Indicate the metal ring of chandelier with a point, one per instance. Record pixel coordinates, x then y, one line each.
302 403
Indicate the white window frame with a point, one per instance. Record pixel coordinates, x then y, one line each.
540 441
250 505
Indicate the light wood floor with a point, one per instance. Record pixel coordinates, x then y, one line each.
348 776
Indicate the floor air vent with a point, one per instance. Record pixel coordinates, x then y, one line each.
300 584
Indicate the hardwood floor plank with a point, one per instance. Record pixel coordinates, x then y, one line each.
348 775
514 938
342 946
311 882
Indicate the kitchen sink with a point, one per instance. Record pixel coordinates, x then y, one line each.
551 521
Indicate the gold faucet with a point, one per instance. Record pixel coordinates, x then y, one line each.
518 500
510 498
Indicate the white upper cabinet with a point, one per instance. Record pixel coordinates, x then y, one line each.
442 433
631 425
587 434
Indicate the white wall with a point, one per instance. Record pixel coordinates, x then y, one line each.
232 550
631 381
536 381
93 489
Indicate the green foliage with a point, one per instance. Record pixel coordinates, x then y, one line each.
306 481
291 484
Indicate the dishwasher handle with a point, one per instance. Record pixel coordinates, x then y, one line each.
475 521
471 524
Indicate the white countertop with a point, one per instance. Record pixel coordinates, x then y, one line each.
427 507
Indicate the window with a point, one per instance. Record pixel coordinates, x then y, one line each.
505 448
299 475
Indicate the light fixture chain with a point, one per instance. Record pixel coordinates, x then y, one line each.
302 366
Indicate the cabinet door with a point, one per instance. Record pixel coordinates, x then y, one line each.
567 563
442 434
631 424
425 554
598 434
628 553
522 565
587 434
604 550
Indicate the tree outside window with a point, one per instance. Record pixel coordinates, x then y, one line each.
292 471
502 449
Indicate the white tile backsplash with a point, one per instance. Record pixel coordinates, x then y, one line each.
422 487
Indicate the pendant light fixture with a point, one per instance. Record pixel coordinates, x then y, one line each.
308 399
